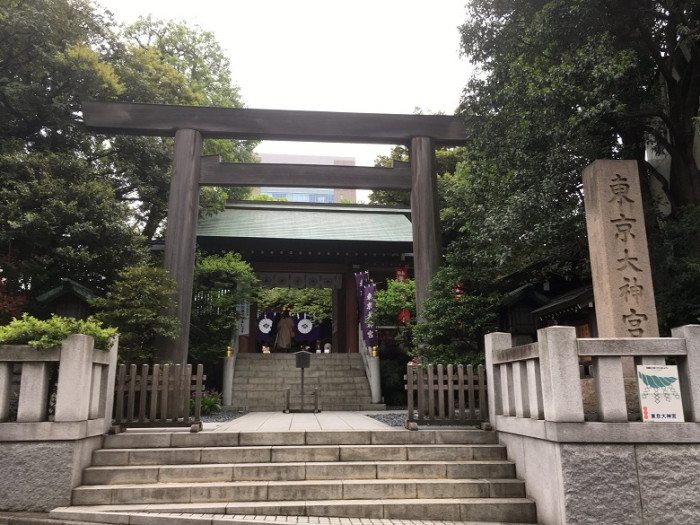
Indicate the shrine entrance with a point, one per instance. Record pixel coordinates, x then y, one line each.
300 245
190 125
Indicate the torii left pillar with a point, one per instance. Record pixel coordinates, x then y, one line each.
181 239
425 217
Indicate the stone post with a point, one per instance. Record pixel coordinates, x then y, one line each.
610 388
227 394
33 392
622 286
109 377
375 382
5 390
493 342
689 371
75 379
561 384
522 390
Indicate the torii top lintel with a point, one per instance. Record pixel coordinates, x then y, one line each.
272 124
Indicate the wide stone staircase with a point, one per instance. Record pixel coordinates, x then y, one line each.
451 475
260 382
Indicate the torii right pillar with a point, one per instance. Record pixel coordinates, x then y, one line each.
425 217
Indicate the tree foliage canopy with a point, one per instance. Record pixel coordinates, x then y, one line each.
74 204
138 305
558 84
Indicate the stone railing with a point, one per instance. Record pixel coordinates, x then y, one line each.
84 391
44 450
580 444
541 381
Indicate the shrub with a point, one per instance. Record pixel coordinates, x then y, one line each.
211 402
138 305
50 333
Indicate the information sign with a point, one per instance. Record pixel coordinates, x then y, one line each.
660 394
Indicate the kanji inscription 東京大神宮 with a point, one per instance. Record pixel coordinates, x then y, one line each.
622 285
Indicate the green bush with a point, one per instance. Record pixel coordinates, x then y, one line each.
138 305
211 402
50 333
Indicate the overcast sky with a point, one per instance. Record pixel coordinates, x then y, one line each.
368 56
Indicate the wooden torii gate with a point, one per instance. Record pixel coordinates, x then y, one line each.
191 124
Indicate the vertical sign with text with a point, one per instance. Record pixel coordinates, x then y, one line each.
617 240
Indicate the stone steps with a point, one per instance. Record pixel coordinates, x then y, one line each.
312 471
288 454
316 490
453 475
467 511
260 382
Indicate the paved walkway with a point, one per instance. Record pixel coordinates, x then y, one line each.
281 422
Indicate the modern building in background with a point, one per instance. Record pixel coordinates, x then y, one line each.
317 195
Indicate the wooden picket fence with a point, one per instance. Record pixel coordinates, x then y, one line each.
455 395
160 398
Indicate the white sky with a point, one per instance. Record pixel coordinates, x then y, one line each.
367 56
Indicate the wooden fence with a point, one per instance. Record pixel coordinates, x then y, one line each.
159 399
452 396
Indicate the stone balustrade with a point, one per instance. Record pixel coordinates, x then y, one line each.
83 392
584 453
541 381
43 454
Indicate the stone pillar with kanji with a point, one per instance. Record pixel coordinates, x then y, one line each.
622 284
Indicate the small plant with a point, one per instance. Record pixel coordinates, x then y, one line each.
211 401
50 333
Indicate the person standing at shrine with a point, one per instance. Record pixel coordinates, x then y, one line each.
285 333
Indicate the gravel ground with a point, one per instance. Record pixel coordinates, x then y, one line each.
391 418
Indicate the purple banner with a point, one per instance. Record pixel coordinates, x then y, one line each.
265 327
305 329
369 332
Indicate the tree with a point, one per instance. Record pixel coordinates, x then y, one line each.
389 304
559 84
446 160
194 71
59 220
221 283
317 302
136 304
77 205
52 58
455 323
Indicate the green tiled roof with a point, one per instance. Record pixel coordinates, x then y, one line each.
281 220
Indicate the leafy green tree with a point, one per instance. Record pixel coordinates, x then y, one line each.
137 305
77 205
195 71
454 326
317 302
396 198
52 58
396 297
221 283
58 220
559 84
389 303
446 160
